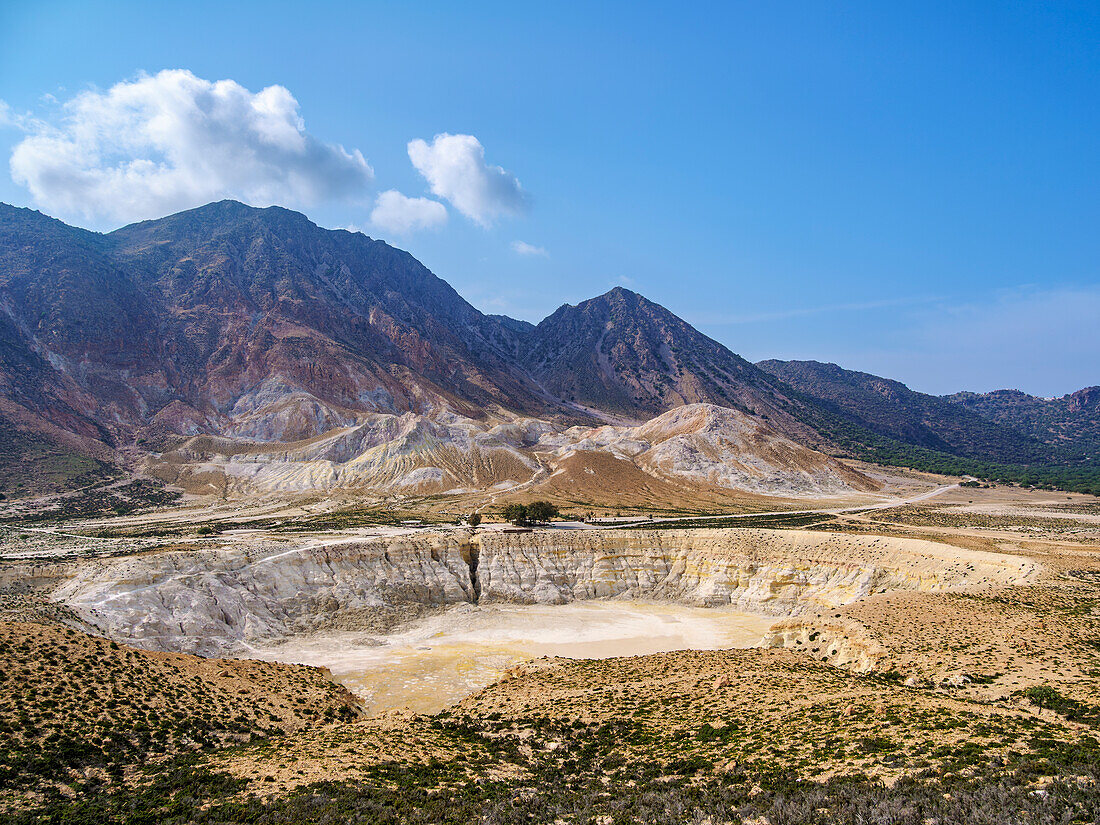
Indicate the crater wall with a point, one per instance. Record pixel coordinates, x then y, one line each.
223 601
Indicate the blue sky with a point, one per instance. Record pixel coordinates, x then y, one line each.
911 189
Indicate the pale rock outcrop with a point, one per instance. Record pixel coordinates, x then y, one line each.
844 644
218 601
697 444
717 446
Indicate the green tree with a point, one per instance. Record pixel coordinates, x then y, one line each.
1043 696
474 520
516 513
541 511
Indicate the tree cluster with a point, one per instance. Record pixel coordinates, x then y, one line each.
525 514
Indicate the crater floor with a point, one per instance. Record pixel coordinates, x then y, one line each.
442 658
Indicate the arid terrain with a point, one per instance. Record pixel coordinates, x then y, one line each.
426 414
255 565
936 660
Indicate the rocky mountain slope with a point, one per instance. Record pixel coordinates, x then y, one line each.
229 348
206 335
1005 426
715 446
699 446
1003 436
1070 423
240 321
891 409
622 353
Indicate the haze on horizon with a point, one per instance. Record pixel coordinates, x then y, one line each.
907 191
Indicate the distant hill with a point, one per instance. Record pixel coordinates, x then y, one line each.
891 409
1006 436
1070 423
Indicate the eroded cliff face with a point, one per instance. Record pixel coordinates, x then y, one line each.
777 572
700 446
223 601
219 601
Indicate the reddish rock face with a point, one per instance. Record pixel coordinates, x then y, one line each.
257 323
228 318
1084 400
622 353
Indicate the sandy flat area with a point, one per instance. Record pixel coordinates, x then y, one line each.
1008 511
442 658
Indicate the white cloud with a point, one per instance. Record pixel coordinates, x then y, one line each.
524 248
455 168
170 141
18 120
399 214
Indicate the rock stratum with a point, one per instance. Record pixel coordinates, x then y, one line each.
697 445
225 601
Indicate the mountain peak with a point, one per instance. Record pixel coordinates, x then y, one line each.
221 217
621 296
226 311
622 353
622 293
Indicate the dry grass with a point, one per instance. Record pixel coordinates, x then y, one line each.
73 706
725 736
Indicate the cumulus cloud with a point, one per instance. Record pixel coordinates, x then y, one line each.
455 168
530 250
399 214
170 141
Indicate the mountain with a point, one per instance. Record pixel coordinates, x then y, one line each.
624 354
230 349
1003 436
240 321
891 409
1070 424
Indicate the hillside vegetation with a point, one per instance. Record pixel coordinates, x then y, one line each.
884 422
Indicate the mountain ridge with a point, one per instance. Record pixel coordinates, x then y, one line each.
1070 422
258 325
891 409
199 295
883 421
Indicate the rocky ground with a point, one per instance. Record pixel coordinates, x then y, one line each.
975 702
